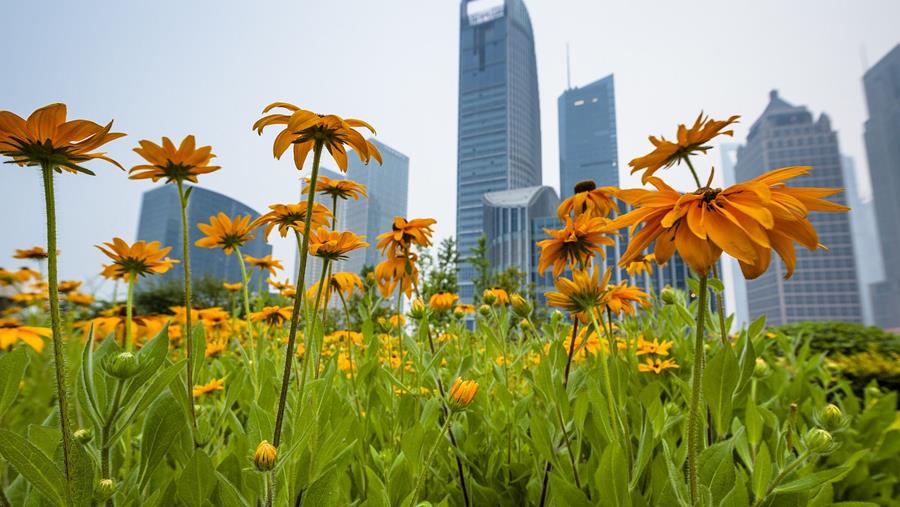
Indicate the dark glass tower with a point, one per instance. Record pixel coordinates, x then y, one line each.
824 285
588 149
882 85
499 138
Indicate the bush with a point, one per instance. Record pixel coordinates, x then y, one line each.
843 337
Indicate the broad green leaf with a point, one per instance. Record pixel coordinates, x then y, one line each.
12 368
719 383
762 471
197 480
34 466
151 356
164 421
87 379
814 480
227 495
756 327
162 380
613 474
322 492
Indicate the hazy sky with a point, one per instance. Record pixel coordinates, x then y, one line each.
208 68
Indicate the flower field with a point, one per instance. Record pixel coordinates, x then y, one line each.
383 389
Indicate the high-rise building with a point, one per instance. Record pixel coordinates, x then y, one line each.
882 135
824 284
160 220
869 268
499 137
735 284
588 148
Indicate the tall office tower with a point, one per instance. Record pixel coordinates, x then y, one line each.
824 285
588 149
735 285
499 138
160 220
882 135
869 268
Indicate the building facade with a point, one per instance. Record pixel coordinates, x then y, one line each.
160 220
499 133
882 136
869 268
824 285
735 284
588 147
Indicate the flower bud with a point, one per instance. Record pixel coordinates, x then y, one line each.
83 435
668 296
462 392
264 457
832 418
761 368
525 324
104 490
520 305
459 312
489 297
123 366
819 441
417 309
484 310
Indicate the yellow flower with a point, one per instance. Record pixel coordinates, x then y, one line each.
641 264
574 245
589 200
47 139
620 298
233 287
293 216
657 366
210 387
141 258
583 293
689 141
78 298
11 333
180 164
304 129
462 309
334 245
180 314
225 233
442 300
36 254
338 189
266 263
404 234
344 282
215 347
654 347
279 285
272 315
265 455
396 270
495 296
66 286
462 392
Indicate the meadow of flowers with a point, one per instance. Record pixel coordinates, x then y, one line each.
382 390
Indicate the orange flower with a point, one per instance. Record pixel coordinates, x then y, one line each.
334 245
583 293
36 254
47 139
404 234
641 264
211 387
495 296
180 164
657 366
78 298
574 245
11 333
589 200
232 287
139 259
343 189
272 315
462 393
654 347
293 216
304 129
225 233
343 282
266 263
689 141
621 298
396 270
68 286
442 300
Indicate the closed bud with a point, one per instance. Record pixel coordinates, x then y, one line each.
462 392
819 441
668 295
264 457
458 312
520 305
484 310
525 324
761 368
83 435
417 309
104 490
832 418
489 297
123 365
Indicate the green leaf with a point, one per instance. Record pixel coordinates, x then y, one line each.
762 471
151 356
12 368
34 466
719 384
322 492
227 495
199 351
164 421
87 379
197 480
160 382
613 473
756 327
716 284
814 480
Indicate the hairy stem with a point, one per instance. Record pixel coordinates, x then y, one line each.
694 418
188 331
129 312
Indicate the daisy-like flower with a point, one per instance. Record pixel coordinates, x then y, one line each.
293 216
215 347
337 189
396 270
655 347
77 298
180 314
35 254
279 285
462 309
11 333
688 142
210 387
574 245
442 300
180 164
641 264
657 366
46 139
233 287
589 200
305 129
462 392
582 294
747 220
272 315
405 233
343 282
139 259
225 233
66 286
334 245
622 297
266 263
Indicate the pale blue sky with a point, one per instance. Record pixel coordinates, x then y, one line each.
207 68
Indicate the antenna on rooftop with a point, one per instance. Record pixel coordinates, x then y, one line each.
568 69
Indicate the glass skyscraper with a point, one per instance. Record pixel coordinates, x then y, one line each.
882 134
824 284
588 148
160 220
499 137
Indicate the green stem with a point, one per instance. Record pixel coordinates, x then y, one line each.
720 306
245 291
694 420
62 388
399 329
319 342
251 329
428 458
129 311
188 328
779 478
693 172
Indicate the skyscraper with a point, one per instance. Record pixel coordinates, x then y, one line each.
160 220
882 135
869 268
824 284
588 148
499 138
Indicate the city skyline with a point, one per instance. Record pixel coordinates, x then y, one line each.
653 94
